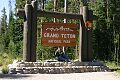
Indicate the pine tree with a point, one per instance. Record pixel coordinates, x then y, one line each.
4 37
15 32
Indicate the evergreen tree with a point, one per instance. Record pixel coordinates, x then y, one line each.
4 35
15 33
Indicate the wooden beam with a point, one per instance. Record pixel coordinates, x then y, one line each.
58 15
40 13
20 12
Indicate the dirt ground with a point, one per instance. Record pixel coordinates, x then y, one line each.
72 76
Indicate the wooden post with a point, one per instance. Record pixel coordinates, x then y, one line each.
89 31
84 53
80 43
27 33
90 55
34 31
65 9
80 36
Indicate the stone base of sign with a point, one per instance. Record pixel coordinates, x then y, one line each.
54 67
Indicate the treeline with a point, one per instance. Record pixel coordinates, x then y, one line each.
10 35
106 35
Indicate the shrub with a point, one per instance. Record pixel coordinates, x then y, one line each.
5 70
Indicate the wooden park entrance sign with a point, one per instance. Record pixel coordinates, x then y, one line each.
59 34
56 34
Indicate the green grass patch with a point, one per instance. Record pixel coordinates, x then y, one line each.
117 73
6 59
5 70
112 65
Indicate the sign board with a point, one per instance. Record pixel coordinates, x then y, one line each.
59 34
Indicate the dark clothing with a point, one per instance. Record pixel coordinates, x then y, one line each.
62 57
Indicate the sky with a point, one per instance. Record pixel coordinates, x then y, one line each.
4 3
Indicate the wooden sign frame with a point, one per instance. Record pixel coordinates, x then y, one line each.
30 14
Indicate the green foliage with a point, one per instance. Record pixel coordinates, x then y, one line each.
104 32
49 6
5 70
74 6
15 44
4 34
15 32
3 21
45 53
11 47
111 64
118 72
20 3
5 59
70 51
10 38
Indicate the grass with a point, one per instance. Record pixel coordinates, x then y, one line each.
5 70
118 72
113 66
5 60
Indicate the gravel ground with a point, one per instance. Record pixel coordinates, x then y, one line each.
72 76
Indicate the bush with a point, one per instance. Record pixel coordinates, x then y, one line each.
1 59
5 70
118 72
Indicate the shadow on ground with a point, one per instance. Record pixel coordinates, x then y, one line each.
13 76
